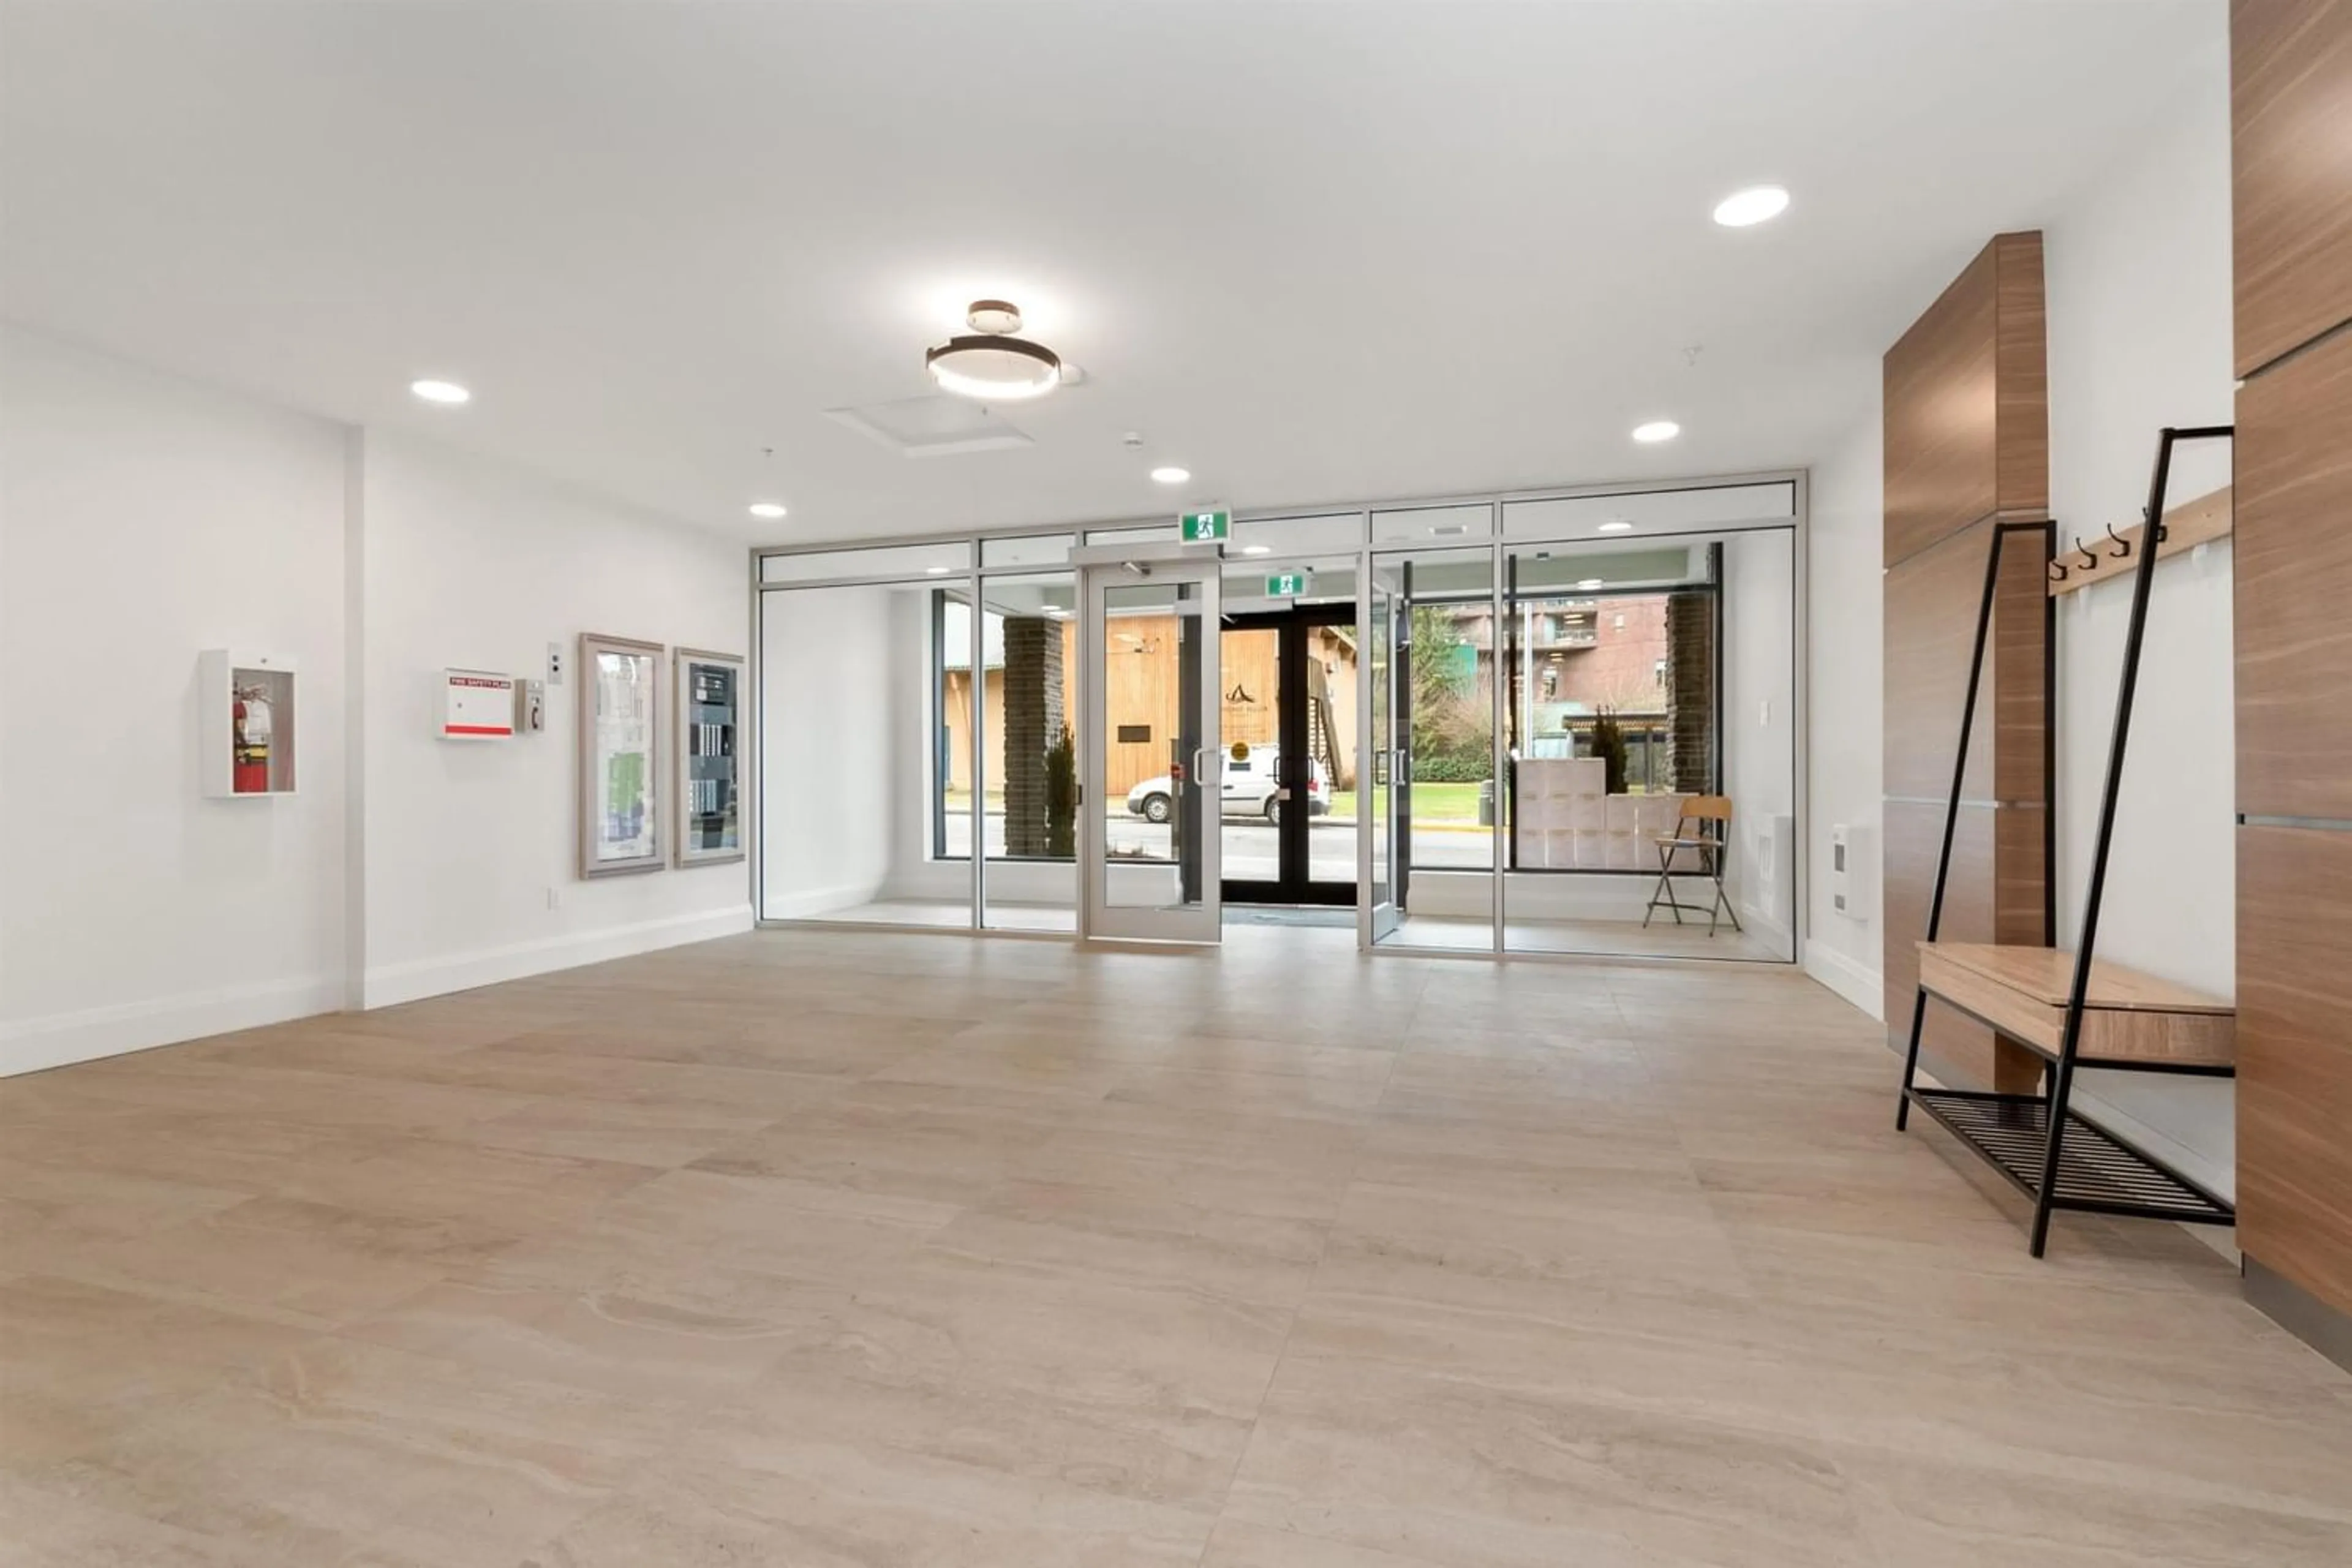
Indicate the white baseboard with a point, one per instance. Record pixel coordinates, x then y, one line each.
394 983
1863 986
830 901
30 1045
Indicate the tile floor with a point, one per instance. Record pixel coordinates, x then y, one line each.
826 1248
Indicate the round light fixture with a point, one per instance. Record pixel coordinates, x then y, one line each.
1615 525
767 509
1657 430
447 393
1753 205
1171 474
989 363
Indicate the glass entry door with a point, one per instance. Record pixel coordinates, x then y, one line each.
1288 792
1148 813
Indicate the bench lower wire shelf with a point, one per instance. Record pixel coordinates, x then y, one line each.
2130 1023
2069 1009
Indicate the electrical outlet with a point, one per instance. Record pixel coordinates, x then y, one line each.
555 671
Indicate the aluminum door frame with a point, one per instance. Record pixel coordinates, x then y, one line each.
1198 923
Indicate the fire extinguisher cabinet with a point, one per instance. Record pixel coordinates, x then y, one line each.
246 706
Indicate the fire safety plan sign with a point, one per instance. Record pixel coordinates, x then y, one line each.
478 706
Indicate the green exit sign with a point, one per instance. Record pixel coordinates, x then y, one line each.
1285 585
1200 526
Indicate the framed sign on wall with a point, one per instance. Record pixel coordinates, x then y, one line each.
708 763
620 756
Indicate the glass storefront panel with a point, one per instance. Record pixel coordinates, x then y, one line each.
855 746
1649 688
1442 771
1028 758
933 558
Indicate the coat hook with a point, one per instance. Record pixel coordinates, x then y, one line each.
2090 562
2122 552
2057 570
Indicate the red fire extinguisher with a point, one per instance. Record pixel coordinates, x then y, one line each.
250 719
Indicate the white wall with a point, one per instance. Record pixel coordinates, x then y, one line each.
471 563
143 519
2139 279
1844 711
827 769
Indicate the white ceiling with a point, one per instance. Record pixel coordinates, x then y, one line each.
1313 252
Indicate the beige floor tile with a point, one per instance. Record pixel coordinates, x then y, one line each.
305 1264
839 1249
1422 1465
81 1364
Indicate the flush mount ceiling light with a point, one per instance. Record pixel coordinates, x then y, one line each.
1257 549
1657 430
1615 525
767 509
1753 205
447 393
989 363
935 571
1587 584
1171 474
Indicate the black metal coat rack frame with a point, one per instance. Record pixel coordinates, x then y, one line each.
2026 1136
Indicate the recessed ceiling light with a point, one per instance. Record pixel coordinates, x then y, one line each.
767 509
1171 474
1755 204
1657 430
448 392
1257 549
1615 525
1587 584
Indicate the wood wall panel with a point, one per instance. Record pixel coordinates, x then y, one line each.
2293 565
1979 905
2295 1056
1931 604
1966 402
2021 378
1941 415
1967 445
2016 678
1931 601
2291 167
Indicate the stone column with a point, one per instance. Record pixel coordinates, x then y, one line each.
1032 716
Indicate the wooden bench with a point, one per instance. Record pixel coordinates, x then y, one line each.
2130 1020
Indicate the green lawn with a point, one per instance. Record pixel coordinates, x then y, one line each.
1433 804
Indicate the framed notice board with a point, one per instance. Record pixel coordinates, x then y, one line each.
620 756
708 762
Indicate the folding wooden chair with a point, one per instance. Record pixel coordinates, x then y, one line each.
1703 832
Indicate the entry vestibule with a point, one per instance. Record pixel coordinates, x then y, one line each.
1482 703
